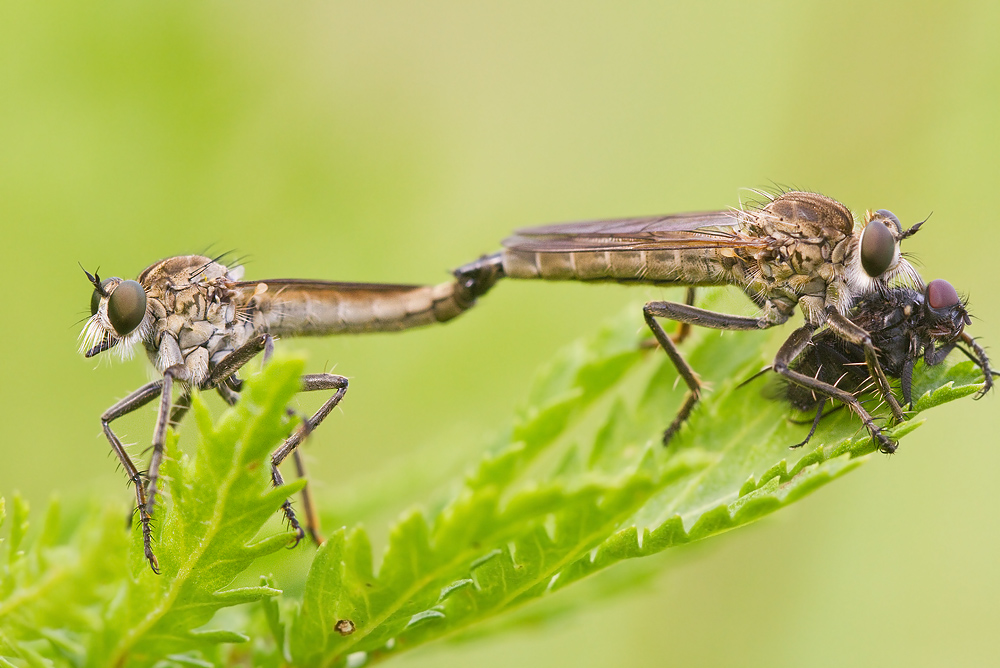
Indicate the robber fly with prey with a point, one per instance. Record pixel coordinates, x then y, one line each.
905 325
199 324
797 249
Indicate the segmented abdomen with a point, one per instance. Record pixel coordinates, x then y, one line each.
315 308
701 266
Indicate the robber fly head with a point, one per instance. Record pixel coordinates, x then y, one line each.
118 316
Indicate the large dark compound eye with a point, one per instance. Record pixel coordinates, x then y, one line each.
878 248
940 294
127 307
95 299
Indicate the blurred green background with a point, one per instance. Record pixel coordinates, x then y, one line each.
384 141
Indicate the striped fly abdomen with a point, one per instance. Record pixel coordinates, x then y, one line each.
694 266
317 308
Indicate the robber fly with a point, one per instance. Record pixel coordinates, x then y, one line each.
199 324
797 249
905 324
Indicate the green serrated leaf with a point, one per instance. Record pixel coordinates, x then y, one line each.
507 538
215 504
580 483
92 603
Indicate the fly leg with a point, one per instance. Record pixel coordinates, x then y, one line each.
815 424
175 372
791 349
227 385
312 517
181 407
310 382
683 328
235 360
934 356
691 315
134 401
981 359
850 332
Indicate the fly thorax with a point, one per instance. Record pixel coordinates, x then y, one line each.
807 258
226 341
193 312
210 334
778 308
813 309
156 331
792 269
806 229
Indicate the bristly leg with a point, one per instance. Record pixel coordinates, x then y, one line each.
178 372
684 328
684 313
147 530
310 383
790 350
812 429
135 400
286 508
312 516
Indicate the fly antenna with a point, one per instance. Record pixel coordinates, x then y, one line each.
95 280
916 228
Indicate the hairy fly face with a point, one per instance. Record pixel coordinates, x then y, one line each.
118 317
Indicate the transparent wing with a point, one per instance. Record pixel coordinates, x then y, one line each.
285 285
709 229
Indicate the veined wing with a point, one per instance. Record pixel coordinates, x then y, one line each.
709 229
322 287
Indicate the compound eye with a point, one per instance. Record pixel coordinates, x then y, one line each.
889 215
95 299
878 248
127 307
940 294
